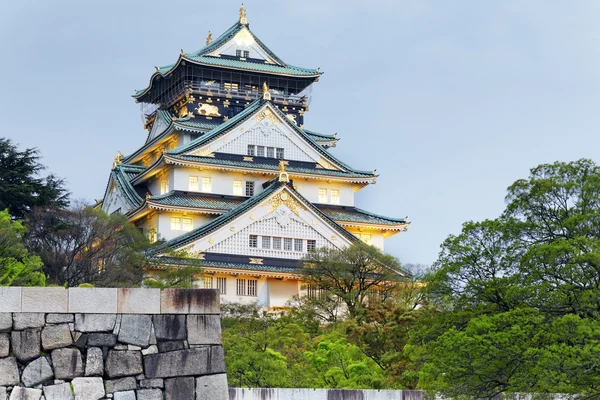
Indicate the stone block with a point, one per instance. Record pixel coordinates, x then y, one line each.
3 394
21 393
4 345
204 329
152 383
88 388
150 350
189 301
25 344
9 372
10 299
102 339
164 347
138 301
94 363
28 320
120 385
56 336
95 322
201 361
169 327
129 395
149 394
180 388
6 321
135 329
36 372
93 300
67 363
58 392
123 363
212 387
46 300
59 318
152 335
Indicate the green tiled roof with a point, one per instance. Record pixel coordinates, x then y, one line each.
122 175
319 136
354 214
225 264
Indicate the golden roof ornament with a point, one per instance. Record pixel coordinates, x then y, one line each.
243 19
117 160
209 38
147 195
283 175
266 94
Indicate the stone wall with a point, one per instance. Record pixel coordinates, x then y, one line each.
123 344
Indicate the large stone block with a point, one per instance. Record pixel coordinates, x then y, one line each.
169 327
129 395
9 372
135 329
28 320
3 393
204 329
93 300
88 388
95 322
120 385
56 336
152 383
200 361
149 394
36 372
94 363
58 392
102 339
67 363
138 301
6 321
25 344
180 388
11 299
189 301
46 300
4 345
123 363
21 393
212 387
164 347
59 318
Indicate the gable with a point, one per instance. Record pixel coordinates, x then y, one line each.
244 41
159 127
268 129
113 201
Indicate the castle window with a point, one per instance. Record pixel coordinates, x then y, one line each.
322 195
276 243
175 224
208 282
206 185
266 242
335 196
193 184
270 152
230 86
298 244
252 284
311 245
260 151
287 244
246 53
249 188
279 154
237 188
240 287
164 186
251 150
253 241
238 53
365 237
222 285
186 224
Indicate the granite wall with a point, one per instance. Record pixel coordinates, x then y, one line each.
123 344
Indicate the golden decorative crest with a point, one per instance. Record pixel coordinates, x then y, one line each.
284 198
266 94
226 104
243 19
209 38
208 110
258 261
117 160
283 175
268 114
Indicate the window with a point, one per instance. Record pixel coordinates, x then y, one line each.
260 151
222 285
238 53
314 292
249 188
237 188
164 186
298 245
186 224
276 243
152 237
240 287
206 185
175 224
246 53
322 195
287 244
230 86
366 237
208 282
279 154
311 245
270 152
335 196
252 284
193 184
253 241
251 150
266 242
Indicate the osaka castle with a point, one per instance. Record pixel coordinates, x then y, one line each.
230 173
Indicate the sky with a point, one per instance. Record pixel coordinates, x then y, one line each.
451 101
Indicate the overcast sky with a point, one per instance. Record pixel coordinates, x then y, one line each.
451 101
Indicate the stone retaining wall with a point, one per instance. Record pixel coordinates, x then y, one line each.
124 344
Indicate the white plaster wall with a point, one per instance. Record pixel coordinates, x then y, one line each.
262 290
377 238
281 291
164 223
222 182
154 183
310 190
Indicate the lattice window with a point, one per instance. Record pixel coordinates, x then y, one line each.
322 195
222 284
266 242
249 188
193 183
208 282
164 186
367 238
175 224
298 245
279 154
240 287
246 53
311 245
335 196
251 150
276 243
237 188
252 286
253 242
187 224
207 184
287 244
238 53
271 152
260 151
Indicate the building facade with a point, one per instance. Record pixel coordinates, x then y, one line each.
230 174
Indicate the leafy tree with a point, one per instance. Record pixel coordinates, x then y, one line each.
21 187
17 267
162 274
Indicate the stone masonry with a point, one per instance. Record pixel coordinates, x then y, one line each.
91 344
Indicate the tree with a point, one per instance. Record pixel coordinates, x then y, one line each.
161 275
21 187
85 245
352 275
17 267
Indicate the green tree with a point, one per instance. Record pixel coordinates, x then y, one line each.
17 267
21 187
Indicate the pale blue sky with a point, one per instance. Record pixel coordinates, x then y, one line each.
451 101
